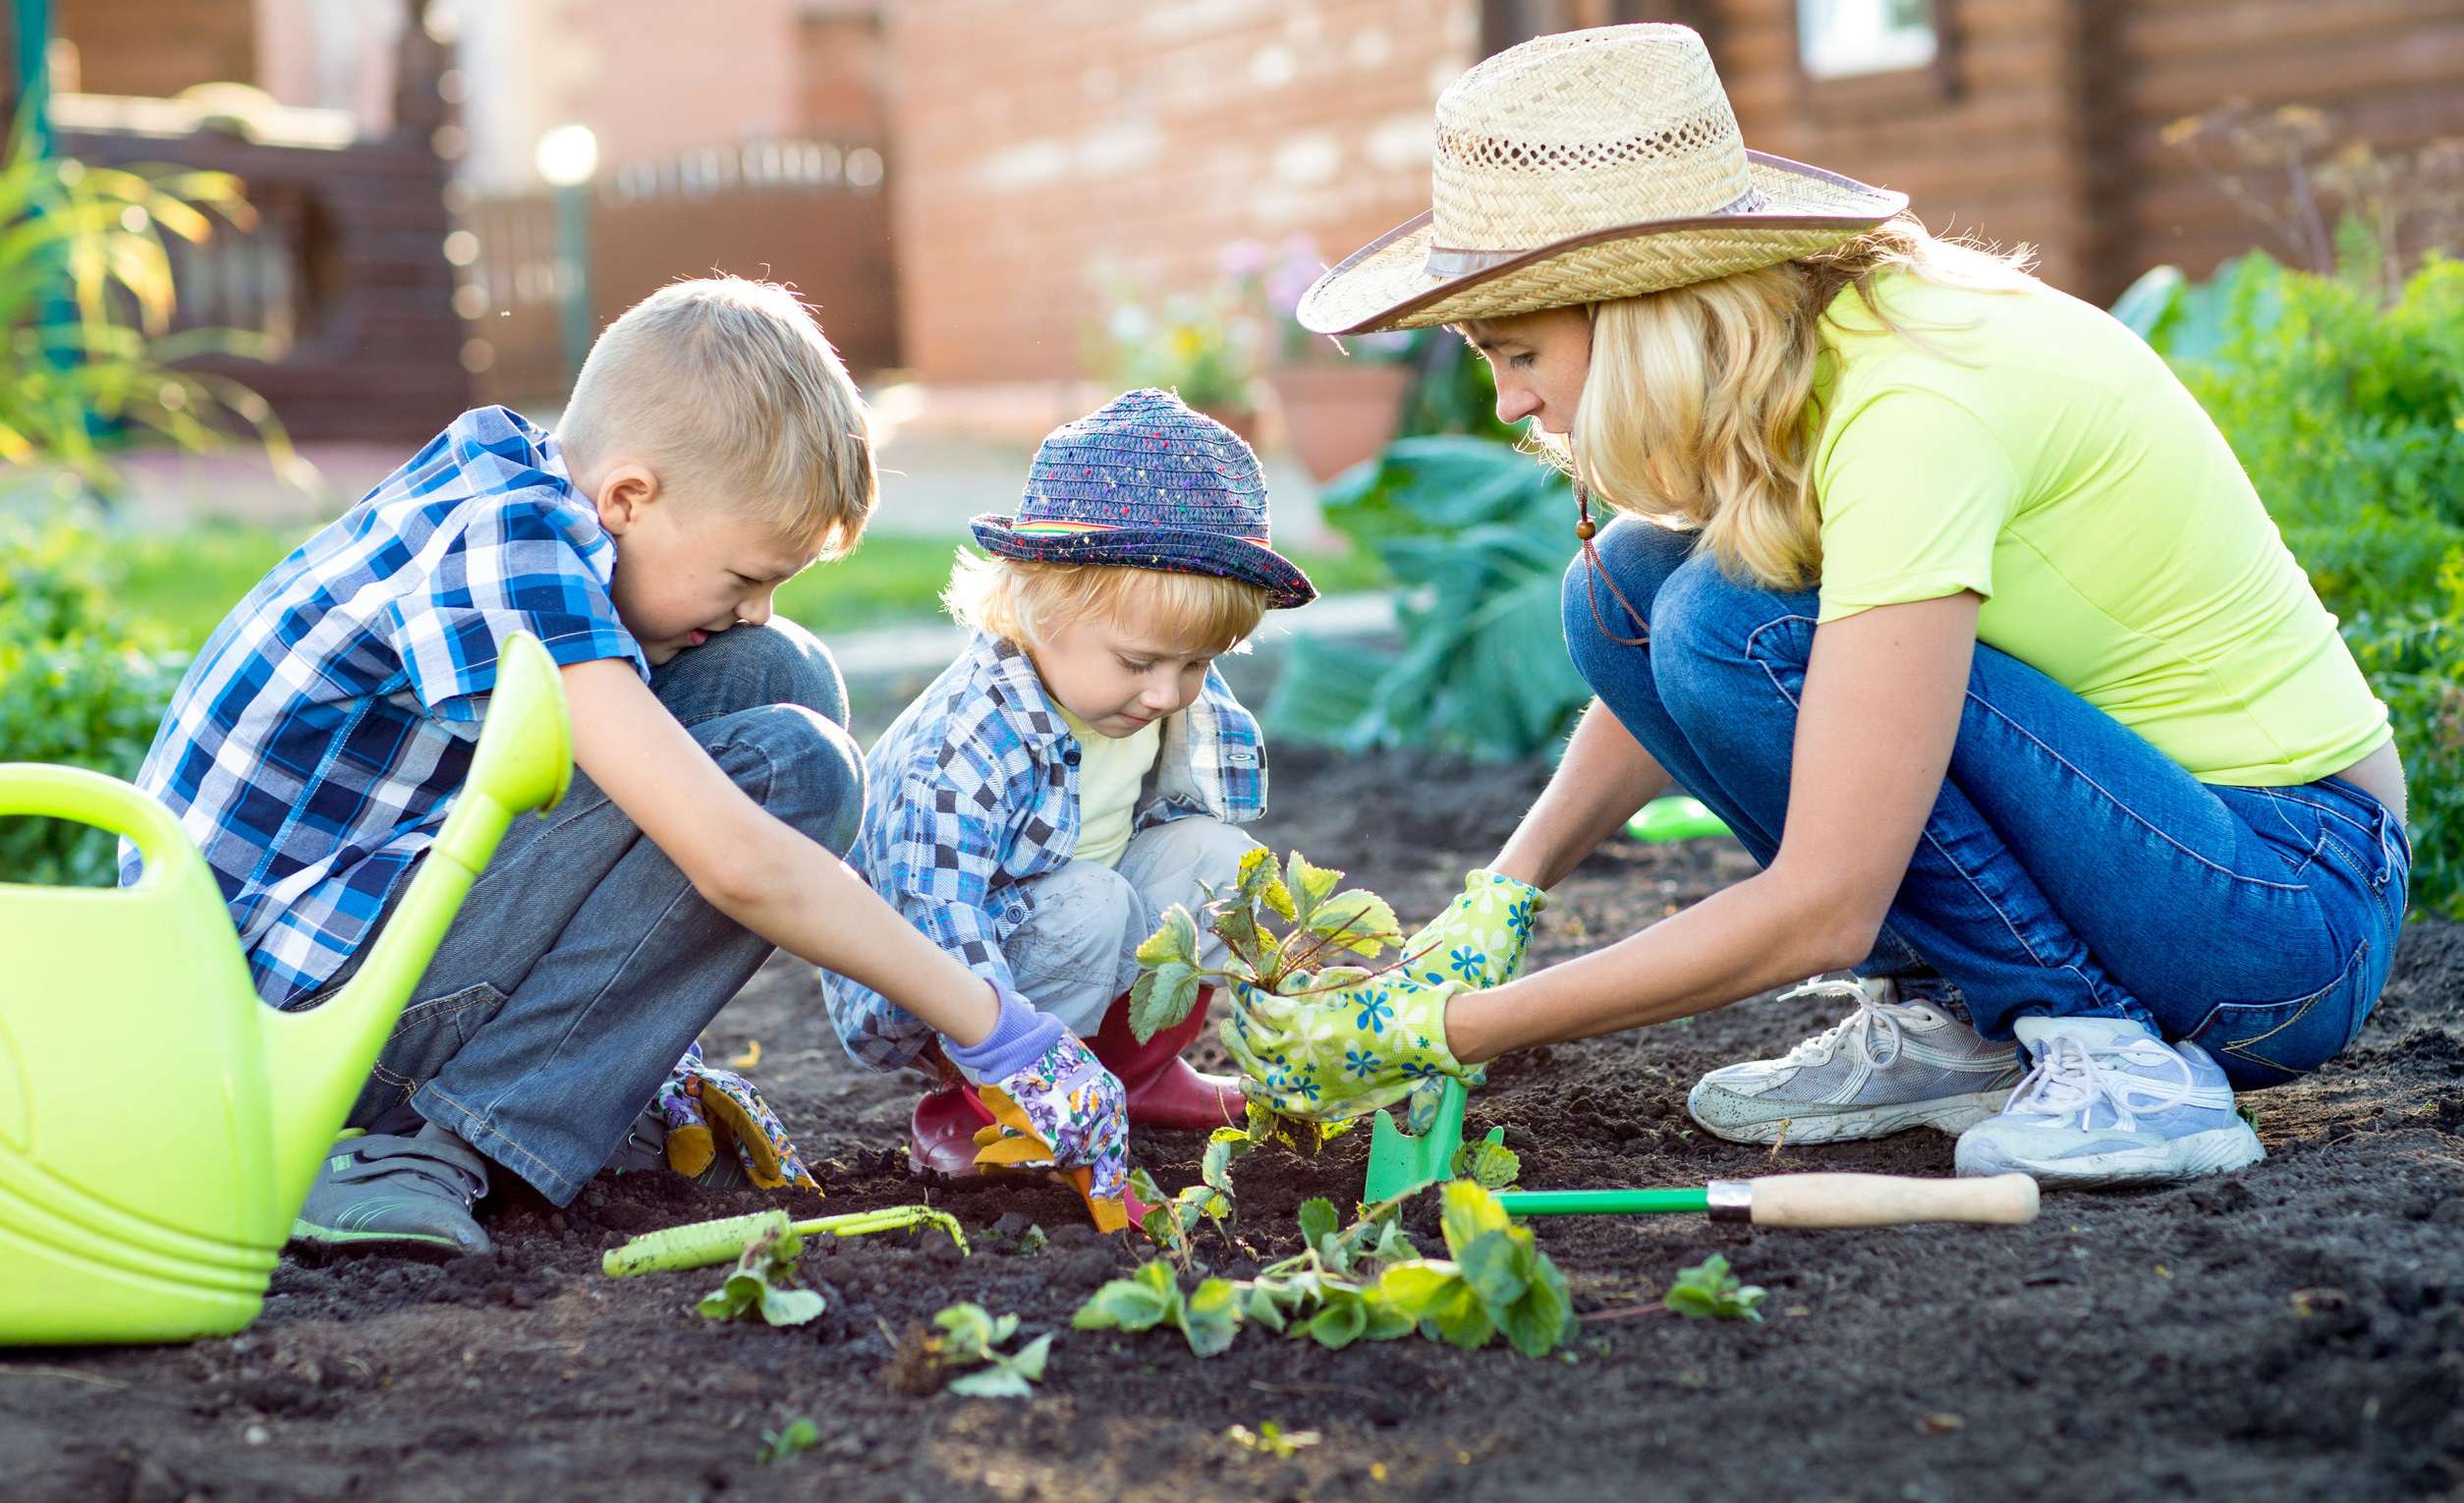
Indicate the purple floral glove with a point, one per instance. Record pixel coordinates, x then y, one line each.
1075 1108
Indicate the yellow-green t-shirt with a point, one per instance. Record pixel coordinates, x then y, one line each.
1111 775
2027 446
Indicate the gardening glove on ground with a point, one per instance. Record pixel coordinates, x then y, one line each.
707 1109
1077 1116
1478 940
1338 1053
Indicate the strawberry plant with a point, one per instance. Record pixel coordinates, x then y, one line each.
1707 1291
1364 1282
1320 927
764 1285
970 1336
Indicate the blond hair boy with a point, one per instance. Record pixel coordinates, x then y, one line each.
713 448
1081 767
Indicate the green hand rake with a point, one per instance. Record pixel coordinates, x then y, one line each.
704 1243
1400 1163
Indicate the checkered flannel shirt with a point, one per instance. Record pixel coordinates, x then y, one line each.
973 791
318 738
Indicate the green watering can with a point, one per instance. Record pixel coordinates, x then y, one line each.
160 1124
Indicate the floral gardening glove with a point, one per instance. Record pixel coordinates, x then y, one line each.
1478 940
706 1110
1071 1112
1338 1053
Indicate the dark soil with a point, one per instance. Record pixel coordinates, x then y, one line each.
2293 1331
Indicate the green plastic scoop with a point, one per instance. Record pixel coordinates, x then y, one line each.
1675 817
160 1124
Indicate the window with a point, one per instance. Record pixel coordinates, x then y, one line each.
1839 38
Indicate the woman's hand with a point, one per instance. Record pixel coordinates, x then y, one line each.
1338 1053
1480 939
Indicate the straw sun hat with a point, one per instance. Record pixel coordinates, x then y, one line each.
1584 166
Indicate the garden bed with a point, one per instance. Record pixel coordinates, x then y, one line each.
2295 1330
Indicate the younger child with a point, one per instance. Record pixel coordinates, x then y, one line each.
1081 767
714 447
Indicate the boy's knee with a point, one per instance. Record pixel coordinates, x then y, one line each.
1209 848
805 771
1082 916
777 662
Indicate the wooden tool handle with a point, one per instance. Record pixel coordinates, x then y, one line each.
1888 1200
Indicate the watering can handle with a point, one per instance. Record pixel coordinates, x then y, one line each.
106 803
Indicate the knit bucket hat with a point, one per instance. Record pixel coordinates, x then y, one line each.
1584 166
1146 483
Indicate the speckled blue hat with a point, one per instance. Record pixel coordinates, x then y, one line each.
1146 483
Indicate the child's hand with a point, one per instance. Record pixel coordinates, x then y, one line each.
1338 1053
1480 939
1080 1115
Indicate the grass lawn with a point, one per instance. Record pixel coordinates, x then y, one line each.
178 585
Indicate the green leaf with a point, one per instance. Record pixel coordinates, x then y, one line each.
1030 1362
1236 924
1539 1321
1710 1291
1175 940
1319 1221
972 1327
1214 1165
780 1444
1143 1301
1213 1317
1310 886
1416 1288
1468 1210
1342 1320
991 1383
1490 1165
1458 1318
1496 1268
1173 992
1259 882
1259 1306
1359 920
790 1306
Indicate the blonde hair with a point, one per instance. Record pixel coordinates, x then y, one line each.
1024 601
1698 407
727 386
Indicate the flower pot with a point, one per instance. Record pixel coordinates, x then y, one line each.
1337 415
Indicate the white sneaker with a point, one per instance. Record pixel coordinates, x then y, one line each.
2110 1104
1884 1068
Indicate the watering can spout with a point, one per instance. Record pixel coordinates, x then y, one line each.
317 1061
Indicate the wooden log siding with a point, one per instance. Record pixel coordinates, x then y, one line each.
811 214
346 272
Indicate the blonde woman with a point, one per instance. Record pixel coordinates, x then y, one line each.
1939 588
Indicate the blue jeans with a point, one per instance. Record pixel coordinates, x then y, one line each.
2068 867
584 962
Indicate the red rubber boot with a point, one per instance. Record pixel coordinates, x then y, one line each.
1163 1090
941 1136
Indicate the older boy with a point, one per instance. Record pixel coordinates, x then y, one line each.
1080 766
714 447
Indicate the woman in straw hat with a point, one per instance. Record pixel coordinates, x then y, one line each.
1940 590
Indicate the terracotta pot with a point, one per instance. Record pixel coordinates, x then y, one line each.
1339 413
1240 419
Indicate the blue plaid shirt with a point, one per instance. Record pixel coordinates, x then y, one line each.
974 790
317 740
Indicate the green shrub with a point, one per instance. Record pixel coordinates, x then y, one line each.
75 688
1477 536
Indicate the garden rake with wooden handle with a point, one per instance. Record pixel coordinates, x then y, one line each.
1400 1163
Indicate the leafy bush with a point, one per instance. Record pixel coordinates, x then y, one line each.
1478 535
75 688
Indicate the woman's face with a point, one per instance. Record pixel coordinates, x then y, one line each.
1540 361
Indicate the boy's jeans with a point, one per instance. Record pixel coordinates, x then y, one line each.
2068 867
584 962
1076 948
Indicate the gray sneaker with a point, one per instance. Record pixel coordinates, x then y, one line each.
1884 1068
376 1189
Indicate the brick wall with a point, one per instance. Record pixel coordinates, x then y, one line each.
1036 143
841 75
